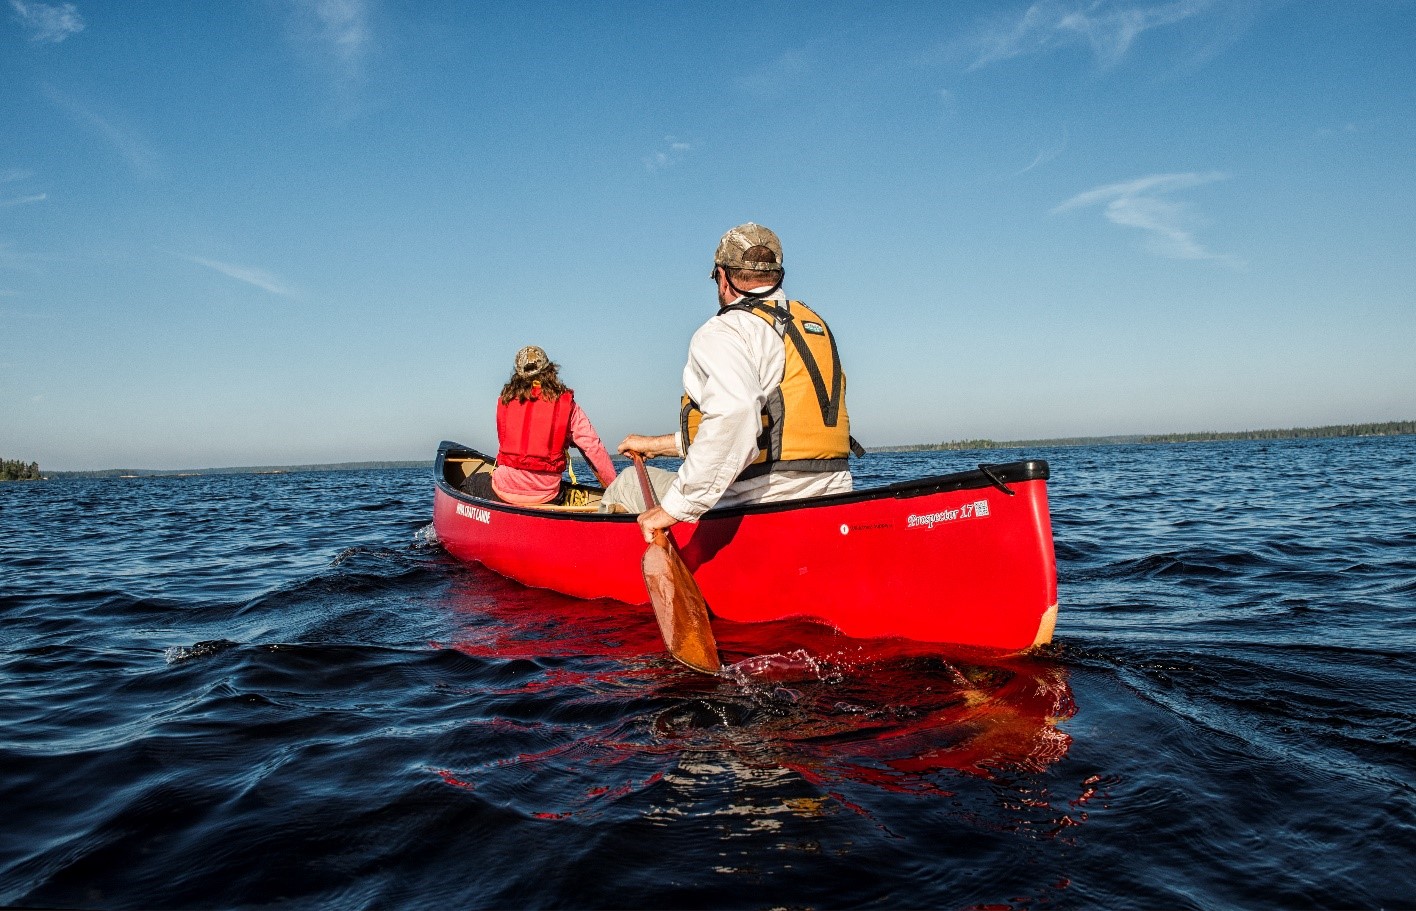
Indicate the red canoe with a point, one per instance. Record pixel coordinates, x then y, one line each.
962 558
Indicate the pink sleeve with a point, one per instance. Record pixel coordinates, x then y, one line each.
583 435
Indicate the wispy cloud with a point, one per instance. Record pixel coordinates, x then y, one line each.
14 175
259 278
1351 128
48 24
125 141
23 200
669 152
343 27
337 39
777 78
1046 155
1109 28
1145 204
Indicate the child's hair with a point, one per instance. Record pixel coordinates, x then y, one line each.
519 387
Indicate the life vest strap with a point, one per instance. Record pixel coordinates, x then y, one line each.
758 469
786 324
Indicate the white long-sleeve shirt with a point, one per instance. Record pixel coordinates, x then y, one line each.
734 362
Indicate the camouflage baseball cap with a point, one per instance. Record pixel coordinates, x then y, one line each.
531 360
766 248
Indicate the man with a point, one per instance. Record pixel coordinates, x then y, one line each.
764 411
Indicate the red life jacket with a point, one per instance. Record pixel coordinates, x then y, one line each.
532 435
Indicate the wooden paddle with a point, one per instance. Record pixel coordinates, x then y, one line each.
678 604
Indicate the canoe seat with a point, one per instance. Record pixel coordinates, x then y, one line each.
588 507
459 469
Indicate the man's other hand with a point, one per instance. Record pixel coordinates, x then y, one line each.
651 520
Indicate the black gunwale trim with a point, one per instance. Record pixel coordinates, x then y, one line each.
973 479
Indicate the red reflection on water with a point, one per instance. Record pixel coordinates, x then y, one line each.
505 620
451 779
892 713
795 695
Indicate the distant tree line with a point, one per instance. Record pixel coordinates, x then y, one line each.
19 471
249 469
1382 429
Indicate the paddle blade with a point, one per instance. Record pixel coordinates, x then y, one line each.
679 607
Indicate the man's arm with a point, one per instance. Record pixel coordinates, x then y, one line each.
649 447
723 369
728 360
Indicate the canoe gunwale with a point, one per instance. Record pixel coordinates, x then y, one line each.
987 475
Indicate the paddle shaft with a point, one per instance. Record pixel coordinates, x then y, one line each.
678 604
650 499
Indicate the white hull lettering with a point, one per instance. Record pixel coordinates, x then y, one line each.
476 513
975 510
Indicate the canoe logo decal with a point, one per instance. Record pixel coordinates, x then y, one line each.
476 513
975 510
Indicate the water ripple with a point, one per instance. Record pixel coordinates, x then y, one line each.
222 692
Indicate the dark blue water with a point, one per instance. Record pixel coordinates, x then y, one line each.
244 691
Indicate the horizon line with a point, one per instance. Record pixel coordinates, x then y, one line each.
978 443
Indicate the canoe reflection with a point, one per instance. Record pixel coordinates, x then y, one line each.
890 718
792 695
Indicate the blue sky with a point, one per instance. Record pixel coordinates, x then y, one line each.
280 232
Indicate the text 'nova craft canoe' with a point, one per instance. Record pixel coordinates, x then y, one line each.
963 558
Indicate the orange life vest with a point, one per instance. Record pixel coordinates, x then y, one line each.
532 435
805 426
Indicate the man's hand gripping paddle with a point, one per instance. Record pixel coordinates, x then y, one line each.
678 604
